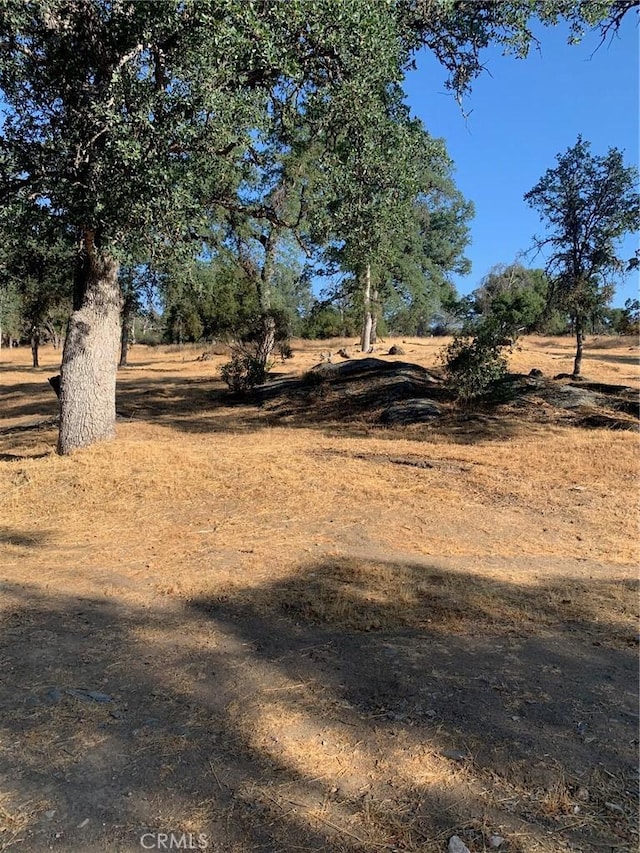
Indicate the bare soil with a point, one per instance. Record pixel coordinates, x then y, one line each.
279 624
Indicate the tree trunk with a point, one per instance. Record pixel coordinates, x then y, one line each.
267 336
373 338
577 364
374 316
35 343
124 344
267 339
53 334
125 333
90 355
367 322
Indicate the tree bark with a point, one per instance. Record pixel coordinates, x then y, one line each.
35 343
125 333
267 337
374 316
90 355
367 321
124 345
577 364
55 336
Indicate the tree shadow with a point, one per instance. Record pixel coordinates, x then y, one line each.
355 706
20 457
24 538
351 403
613 359
28 398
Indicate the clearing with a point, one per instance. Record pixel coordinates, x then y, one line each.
297 623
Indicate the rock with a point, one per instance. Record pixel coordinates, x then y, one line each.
570 397
455 754
457 845
495 841
54 695
89 695
411 411
50 814
569 376
396 350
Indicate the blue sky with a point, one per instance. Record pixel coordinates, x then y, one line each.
520 115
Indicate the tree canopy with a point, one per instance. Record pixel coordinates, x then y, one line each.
588 203
130 124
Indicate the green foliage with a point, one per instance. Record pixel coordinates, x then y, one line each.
553 322
214 299
384 201
630 323
513 298
624 321
588 204
245 370
135 128
326 320
473 364
182 324
36 264
10 313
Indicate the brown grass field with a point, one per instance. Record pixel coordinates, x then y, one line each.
289 631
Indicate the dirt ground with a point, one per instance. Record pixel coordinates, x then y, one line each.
278 625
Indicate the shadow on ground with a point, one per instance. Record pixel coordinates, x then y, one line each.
24 538
354 707
359 398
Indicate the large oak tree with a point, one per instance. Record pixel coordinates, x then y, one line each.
126 122
588 204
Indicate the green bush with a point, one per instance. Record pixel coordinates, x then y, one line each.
244 371
472 365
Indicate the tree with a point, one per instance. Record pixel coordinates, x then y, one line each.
588 204
127 123
364 192
513 298
10 319
626 321
509 301
419 288
37 262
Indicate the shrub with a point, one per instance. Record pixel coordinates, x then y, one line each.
473 364
245 370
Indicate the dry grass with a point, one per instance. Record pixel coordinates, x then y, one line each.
316 614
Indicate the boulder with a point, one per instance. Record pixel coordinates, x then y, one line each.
411 411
